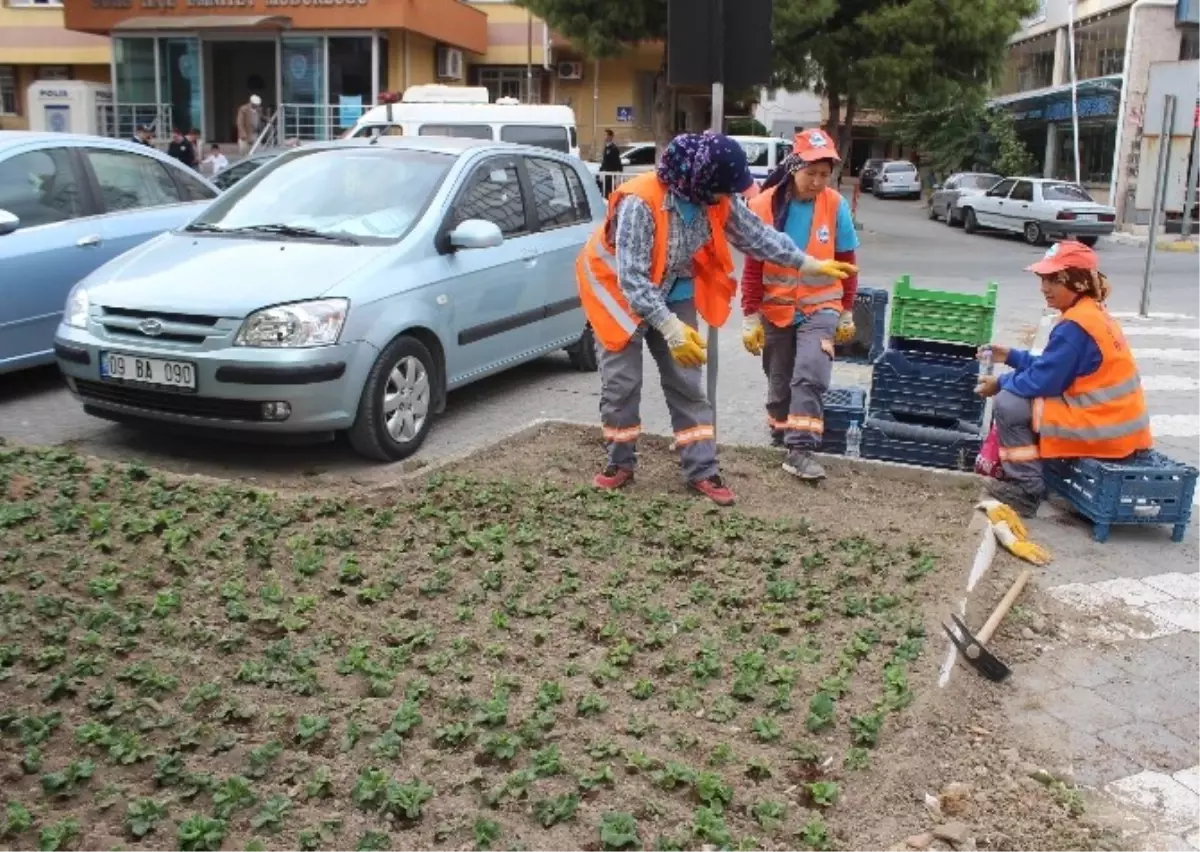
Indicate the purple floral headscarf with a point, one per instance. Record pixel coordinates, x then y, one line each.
698 166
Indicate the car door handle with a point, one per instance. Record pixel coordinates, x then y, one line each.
88 241
530 257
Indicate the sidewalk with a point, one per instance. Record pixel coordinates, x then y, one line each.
1166 242
1117 645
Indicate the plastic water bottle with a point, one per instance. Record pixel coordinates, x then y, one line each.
853 439
985 361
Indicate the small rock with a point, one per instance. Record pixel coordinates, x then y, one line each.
1010 756
955 798
954 832
1038 622
981 771
920 841
1027 633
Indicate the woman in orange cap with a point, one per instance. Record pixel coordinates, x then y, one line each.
793 317
1081 398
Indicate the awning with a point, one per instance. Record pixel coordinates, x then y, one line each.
204 22
1094 86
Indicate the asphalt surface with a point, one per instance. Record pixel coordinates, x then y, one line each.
897 239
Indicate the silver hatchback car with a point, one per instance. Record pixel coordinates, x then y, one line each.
345 286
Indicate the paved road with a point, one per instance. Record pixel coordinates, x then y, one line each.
897 239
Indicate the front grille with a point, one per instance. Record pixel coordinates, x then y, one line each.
189 328
169 402
186 319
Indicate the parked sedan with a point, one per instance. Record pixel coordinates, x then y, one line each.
68 204
1039 209
897 179
868 173
346 287
945 199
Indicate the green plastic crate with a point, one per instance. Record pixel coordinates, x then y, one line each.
941 315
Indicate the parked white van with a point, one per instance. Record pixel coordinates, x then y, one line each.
464 111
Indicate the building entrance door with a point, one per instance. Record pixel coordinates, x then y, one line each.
240 69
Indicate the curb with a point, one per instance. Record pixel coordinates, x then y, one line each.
1180 246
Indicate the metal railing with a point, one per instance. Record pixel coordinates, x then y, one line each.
120 121
608 181
316 122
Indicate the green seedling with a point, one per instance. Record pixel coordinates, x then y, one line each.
200 833
618 831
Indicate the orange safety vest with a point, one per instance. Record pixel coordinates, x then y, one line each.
612 320
1101 416
785 289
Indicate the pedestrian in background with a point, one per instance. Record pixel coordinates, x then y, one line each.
248 122
792 316
611 159
662 257
193 139
216 161
179 148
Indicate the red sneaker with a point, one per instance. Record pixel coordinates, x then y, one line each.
714 489
612 478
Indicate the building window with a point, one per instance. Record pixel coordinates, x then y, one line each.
1189 44
1037 72
8 90
17 4
1096 147
1111 61
503 82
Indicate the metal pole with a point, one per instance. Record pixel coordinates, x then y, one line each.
529 57
595 107
718 125
1156 204
1193 181
1074 89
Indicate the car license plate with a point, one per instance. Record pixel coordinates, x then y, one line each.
115 366
1086 217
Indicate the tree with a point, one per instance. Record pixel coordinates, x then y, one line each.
602 29
891 55
1012 157
965 133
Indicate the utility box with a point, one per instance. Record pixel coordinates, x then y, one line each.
70 106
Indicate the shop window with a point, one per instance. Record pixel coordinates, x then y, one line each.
1096 148
8 90
1189 44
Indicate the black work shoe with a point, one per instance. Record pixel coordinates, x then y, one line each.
777 436
1025 503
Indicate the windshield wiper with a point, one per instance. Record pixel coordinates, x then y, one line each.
205 227
292 231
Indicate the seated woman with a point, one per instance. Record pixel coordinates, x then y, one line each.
1081 398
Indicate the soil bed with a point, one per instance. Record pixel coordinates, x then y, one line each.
493 656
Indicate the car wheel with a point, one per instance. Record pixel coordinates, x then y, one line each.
970 223
396 407
951 219
1033 234
932 211
582 353
1088 241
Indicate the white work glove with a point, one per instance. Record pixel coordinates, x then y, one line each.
754 338
686 345
838 269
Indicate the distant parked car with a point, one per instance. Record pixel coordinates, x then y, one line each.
636 157
346 288
897 179
866 175
242 168
945 199
1039 209
68 204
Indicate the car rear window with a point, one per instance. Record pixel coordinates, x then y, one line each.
554 137
1064 192
892 168
459 131
979 181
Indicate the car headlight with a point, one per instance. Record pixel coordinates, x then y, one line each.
75 314
300 324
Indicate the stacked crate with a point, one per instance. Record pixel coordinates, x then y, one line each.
870 323
923 408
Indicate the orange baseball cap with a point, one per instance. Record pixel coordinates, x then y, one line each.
813 145
1069 254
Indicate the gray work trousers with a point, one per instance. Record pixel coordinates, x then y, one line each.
1013 416
683 387
799 371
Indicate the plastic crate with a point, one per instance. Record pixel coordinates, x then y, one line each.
887 439
842 405
870 323
942 315
926 384
1146 489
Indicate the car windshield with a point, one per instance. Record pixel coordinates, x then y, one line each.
979 181
892 168
1064 192
361 194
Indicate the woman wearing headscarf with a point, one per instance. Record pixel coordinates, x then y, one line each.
793 317
1081 398
662 257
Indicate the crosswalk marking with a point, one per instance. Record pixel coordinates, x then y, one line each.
1180 356
1132 315
1174 425
1161 331
1170 383
1127 608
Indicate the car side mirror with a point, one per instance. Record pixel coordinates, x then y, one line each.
9 222
476 234
936 187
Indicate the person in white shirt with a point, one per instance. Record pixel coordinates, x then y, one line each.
215 162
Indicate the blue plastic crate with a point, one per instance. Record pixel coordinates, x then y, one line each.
887 439
870 323
926 384
1147 489
842 405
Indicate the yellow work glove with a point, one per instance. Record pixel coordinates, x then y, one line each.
1022 548
686 345
1002 513
838 269
845 328
754 338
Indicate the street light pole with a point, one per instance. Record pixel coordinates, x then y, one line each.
718 126
1156 204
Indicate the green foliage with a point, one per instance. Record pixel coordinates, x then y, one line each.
1012 157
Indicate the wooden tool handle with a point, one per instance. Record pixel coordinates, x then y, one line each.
1006 602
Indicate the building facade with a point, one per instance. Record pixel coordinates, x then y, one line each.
34 45
1111 45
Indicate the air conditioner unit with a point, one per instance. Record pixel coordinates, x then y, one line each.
449 63
570 70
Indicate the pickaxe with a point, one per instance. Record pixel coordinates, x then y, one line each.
972 647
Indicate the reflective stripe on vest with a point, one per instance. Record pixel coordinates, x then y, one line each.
785 290
1089 398
1096 433
615 311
